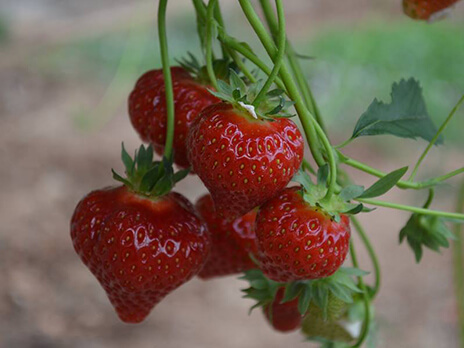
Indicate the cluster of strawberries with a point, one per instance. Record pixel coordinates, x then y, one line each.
142 241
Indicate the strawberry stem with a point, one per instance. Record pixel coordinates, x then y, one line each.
167 77
278 59
458 265
293 62
313 130
432 142
370 250
424 211
366 301
209 42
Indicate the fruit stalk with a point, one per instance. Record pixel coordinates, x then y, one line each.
424 211
435 138
295 66
311 127
371 252
209 44
167 77
366 301
458 265
278 59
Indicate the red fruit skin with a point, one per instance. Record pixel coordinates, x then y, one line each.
425 9
139 249
148 114
296 241
243 162
231 242
283 317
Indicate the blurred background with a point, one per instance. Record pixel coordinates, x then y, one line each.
66 69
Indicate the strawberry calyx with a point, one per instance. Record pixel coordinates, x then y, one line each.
241 96
315 195
221 67
330 294
147 177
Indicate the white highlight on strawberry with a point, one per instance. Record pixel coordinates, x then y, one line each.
249 108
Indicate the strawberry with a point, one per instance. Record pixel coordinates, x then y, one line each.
299 241
147 109
284 317
242 154
426 9
140 240
232 242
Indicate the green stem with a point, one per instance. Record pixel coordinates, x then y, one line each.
209 42
200 10
278 59
307 166
435 138
313 130
458 265
294 63
424 211
233 44
366 301
220 20
402 183
371 252
167 78
429 198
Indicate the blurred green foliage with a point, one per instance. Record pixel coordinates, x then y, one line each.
352 65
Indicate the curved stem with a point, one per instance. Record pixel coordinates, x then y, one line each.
305 116
209 42
401 183
220 20
429 198
458 265
295 66
435 138
309 123
424 211
366 301
167 77
278 59
236 46
371 252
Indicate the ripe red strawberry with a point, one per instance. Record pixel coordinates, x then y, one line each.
243 161
297 241
284 317
231 242
147 109
426 9
139 246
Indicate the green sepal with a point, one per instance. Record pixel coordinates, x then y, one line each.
147 177
425 231
383 185
262 289
340 285
314 194
241 96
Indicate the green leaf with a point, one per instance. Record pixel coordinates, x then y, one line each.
406 116
384 184
350 192
425 231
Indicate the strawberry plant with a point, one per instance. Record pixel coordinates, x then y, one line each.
237 129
